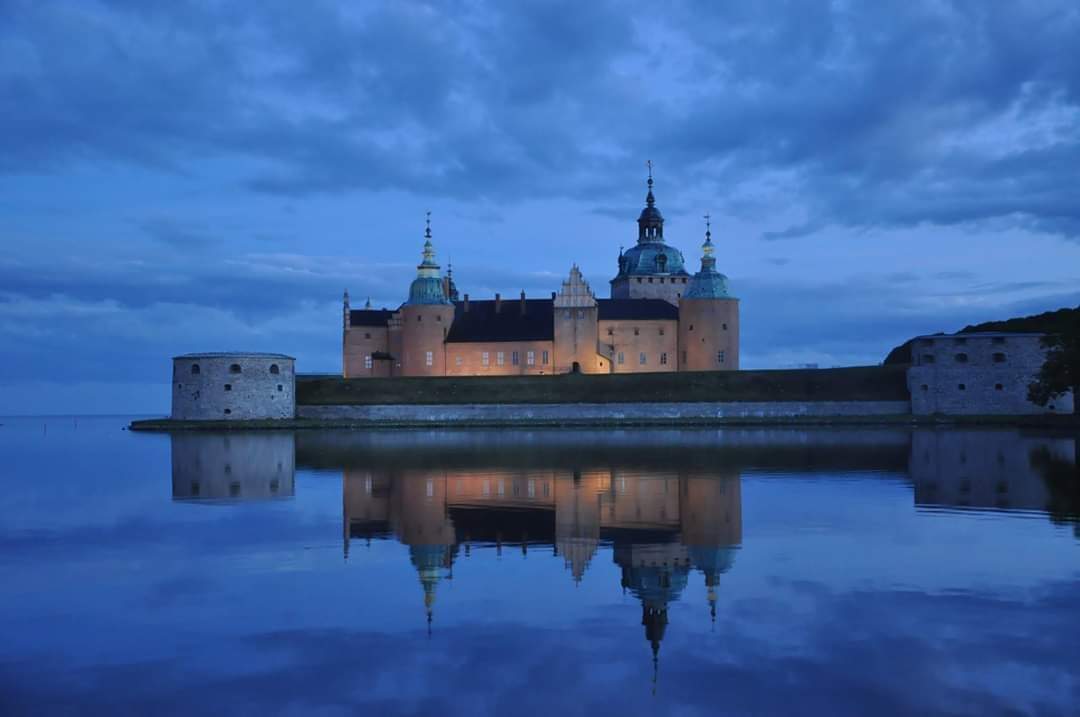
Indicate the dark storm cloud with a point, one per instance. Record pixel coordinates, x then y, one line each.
881 114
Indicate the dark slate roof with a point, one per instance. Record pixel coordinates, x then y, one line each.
369 317
481 323
639 309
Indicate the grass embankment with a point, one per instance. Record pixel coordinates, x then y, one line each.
858 383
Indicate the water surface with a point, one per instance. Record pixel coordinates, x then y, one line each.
536 572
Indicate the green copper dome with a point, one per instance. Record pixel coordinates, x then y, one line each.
651 255
708 283
427 287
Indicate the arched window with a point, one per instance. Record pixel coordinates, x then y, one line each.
195 370
234 368
274 369
961 358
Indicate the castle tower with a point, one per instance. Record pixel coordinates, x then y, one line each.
425 318
576 327
708 318
651 269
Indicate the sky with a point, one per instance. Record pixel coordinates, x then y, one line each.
203 176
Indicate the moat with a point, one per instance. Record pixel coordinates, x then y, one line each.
701 572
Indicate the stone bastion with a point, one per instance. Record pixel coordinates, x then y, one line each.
233 386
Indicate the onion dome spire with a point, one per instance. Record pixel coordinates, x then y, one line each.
707 283
650 222
427 287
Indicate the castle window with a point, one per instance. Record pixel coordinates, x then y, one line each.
438 317
280 388
195 370
485 358
641 358
611 332
368 363
684 281
274 369
228 411
429 358
620 359
723 326
514 358
925 387
650 279
961 387
999 358
500 358
235 368
661 280
691 327
228 387
998 340
998 387
581 313
636 332
367 335
661 331
928 358
544 357
684 357
418 317
663 359
961 358
530 358
639 280
720 357
458 360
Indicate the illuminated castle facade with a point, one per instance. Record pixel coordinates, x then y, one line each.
659 318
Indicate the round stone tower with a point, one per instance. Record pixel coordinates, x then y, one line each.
233 387
708 319
425 318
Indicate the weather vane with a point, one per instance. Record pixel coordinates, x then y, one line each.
427 230
648 163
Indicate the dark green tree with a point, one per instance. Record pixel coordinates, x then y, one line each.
1061 371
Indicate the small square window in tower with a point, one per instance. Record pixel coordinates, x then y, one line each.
429 358
641 358
720 357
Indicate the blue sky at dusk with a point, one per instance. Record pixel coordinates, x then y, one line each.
200 176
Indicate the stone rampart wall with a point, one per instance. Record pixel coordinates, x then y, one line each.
601 412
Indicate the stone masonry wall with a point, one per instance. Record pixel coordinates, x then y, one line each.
207 387
601 412
978 375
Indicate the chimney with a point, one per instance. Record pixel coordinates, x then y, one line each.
466 308
522 302
553 295
498 303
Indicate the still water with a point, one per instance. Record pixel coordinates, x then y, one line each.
694 572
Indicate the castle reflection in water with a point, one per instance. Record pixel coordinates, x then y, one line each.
668 504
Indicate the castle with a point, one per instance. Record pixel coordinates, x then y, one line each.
659 318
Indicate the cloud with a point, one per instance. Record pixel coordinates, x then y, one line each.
889 114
